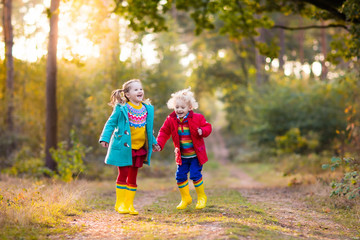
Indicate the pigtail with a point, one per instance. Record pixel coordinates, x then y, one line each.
116 97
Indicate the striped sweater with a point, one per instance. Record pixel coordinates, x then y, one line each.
186 144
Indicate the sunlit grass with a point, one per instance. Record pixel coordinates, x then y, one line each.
32 209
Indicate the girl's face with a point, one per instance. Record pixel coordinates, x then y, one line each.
135 93
181 108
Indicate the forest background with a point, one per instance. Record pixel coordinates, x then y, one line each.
279 79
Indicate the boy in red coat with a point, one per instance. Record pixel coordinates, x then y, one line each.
187 130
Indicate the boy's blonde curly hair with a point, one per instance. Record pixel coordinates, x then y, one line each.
186 95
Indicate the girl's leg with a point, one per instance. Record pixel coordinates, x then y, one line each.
132 175
138 159
121 190
123 174
131 190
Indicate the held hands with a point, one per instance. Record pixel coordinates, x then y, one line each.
200 131
156 148
104 144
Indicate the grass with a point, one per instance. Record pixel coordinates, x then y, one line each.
39 209
343 211
32 209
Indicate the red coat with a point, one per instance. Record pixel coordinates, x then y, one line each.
196 121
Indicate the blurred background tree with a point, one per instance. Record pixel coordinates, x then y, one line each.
275 77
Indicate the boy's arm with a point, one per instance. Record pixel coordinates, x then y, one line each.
205 127
164 133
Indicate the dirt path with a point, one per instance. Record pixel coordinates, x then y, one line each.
103 224
287 205
293 213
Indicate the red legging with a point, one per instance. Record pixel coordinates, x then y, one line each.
127 175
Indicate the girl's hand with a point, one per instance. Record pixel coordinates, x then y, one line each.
200 131
104 144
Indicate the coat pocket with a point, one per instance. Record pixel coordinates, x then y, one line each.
115 142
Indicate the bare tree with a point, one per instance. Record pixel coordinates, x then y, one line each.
8 38
282 48
51 72
324 69
301 39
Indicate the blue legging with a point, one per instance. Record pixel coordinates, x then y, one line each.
191 165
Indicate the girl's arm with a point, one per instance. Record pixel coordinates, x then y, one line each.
110 125
164 133
154 140
205 127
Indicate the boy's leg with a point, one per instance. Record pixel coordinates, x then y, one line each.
196 176
121 189
183 183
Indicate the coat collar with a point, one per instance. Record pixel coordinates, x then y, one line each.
173 114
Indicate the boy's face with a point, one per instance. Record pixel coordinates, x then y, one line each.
181 108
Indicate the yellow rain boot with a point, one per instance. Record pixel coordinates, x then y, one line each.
201 202
129 200
185 195
120 199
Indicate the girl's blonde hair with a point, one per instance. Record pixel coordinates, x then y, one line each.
118 96
186 95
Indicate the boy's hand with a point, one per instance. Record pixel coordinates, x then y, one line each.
200 131
157 148
104 144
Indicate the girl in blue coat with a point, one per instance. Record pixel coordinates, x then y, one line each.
128 135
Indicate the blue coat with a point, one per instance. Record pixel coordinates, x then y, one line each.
116 132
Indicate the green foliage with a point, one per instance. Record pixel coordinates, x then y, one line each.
284 104
69 159
293 142
26 163
144 15
349 185
243 18
7 144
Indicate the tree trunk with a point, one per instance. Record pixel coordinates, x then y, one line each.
324 69
51 71
259 61
301 39
282 49
8 38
